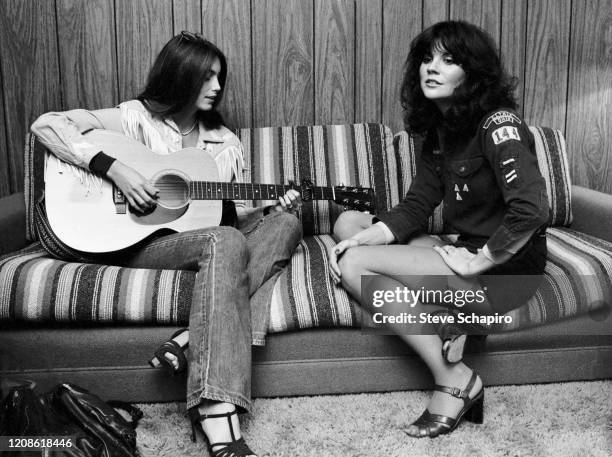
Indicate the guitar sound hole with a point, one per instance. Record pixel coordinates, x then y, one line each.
173 191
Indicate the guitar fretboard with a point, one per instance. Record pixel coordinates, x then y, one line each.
202 190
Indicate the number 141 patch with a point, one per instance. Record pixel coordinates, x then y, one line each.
505 133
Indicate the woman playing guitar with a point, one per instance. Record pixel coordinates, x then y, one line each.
177 110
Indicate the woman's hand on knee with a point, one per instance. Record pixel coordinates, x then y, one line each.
462 261
335 253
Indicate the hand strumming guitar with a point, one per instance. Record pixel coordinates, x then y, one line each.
139 192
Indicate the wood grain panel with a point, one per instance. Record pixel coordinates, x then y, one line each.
87 59
283 63
143 27
5 177
589 120
435 11
512 45
546 62
334 61
483 13
30 75
187 15
368 60
227 23
401 23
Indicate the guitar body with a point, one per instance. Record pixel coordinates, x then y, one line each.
81 208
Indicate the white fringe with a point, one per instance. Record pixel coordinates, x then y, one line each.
90 181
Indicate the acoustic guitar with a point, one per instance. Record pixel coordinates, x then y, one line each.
91 214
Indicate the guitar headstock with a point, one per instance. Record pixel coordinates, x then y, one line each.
359 198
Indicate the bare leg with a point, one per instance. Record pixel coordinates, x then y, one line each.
412 264
351 222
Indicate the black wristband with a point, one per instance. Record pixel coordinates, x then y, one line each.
100 163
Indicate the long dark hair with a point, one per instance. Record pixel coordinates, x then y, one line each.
177 75
487 86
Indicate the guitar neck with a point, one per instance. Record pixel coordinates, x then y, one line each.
203 190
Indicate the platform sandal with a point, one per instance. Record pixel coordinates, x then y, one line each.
234 448
432 425
172 347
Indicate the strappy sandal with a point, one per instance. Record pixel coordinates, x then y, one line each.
172 347
234 448
433 425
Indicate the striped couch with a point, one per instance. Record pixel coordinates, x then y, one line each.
40 292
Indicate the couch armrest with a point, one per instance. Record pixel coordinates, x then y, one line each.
592 212
12 223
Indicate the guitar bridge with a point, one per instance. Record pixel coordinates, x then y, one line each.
119 200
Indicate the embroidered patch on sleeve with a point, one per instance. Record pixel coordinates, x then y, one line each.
500 117
504 134
510 176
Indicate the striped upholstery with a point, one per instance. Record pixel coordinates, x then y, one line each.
33 168
305 295
577 280
35 287
353 155
552 160
554 166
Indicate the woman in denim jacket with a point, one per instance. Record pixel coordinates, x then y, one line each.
479 160
176 110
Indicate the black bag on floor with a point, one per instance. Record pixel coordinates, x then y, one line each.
96 428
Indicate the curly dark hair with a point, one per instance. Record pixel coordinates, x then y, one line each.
177 75
487 86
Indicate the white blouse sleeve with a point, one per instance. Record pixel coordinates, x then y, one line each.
61 135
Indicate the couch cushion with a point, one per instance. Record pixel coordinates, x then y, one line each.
554 166
37 288
352 155
577 281
552 160
305 295
34 287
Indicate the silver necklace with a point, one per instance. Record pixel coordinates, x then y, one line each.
186 132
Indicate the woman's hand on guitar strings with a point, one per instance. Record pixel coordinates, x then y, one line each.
290 202
140 194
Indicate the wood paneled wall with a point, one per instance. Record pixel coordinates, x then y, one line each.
304 62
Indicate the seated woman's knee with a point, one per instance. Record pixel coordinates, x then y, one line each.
352 264
349 223
231 240
288 224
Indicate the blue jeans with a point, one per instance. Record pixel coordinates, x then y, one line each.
236 271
